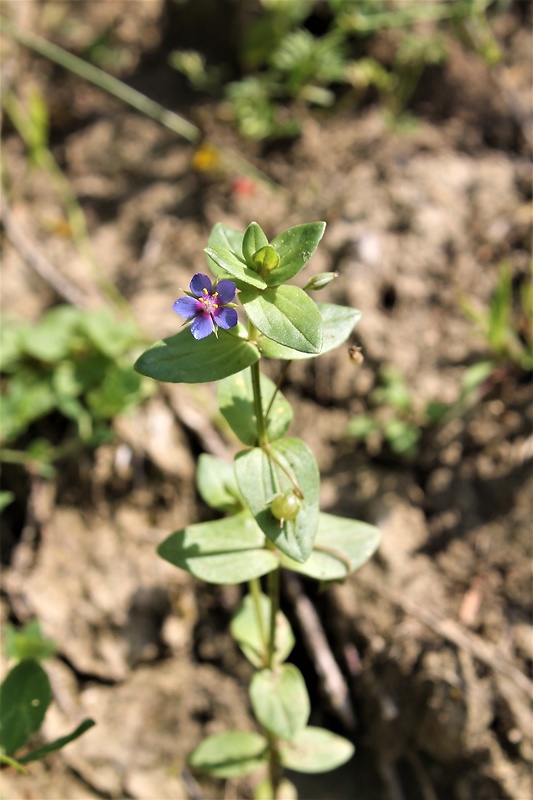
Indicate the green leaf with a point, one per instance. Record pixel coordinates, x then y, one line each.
341 547
280 700
338 322
119 391
29 397
57 744
261 476
315 750
362 425
402 436
228 550
27 643
111 336
287 315
239 273
12 336
51 339
236 402
224 236
183 359
215 480
254 239
230 754
6 498
250 636
295 247
25 696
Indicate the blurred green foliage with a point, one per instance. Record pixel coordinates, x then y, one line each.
507 323
73 362
506 326
27 642
25 696
305 53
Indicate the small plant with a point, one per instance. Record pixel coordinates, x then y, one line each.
270 493
73 362
286 67
393 419
25 696
506 328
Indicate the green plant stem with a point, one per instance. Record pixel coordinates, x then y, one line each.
255 590
273 584
262 438
274 764
12 762
281 378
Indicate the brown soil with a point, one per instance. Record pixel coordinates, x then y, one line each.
434 635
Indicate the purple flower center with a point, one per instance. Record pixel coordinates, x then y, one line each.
209 302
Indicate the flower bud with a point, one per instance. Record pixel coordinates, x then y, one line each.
265 259
319 281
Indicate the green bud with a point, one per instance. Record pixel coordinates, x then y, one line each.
285 506
319 281
265 259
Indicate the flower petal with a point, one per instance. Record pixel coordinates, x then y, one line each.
186 307
200 282
226 317
202 326
226 291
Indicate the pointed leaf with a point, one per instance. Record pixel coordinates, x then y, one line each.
261 478
254 239
183 359
240 274
217 485
25 696
230 239
228 550
341 547
280 700
287 315
338 322
315 750
223 235
230 754
295 247
57 744
236 402
250 637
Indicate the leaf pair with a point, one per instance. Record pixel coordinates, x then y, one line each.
244 259
236 753
182 359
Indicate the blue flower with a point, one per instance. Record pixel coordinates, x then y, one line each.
208 308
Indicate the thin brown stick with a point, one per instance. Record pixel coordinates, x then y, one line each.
40 264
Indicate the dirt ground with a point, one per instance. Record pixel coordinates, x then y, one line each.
434 636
